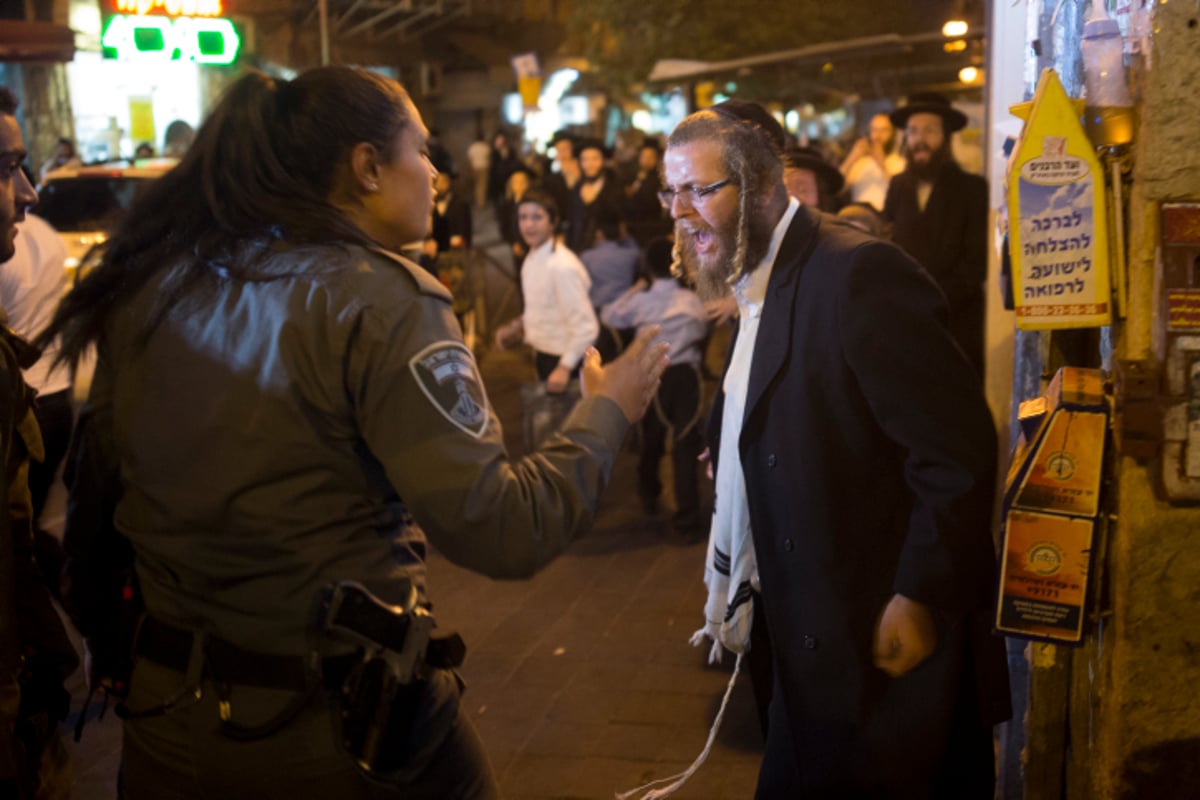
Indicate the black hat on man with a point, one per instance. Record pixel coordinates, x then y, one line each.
930 103
591 144
745 111
810 158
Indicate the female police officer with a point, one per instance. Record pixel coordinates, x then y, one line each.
278 397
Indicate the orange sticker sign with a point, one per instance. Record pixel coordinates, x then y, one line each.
1043 578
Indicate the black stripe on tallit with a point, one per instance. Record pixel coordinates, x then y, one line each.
720 561
740 597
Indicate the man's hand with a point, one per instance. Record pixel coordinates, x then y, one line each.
511 334
904 637
721 311
556 382
632 380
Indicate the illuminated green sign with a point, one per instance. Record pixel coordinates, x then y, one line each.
205 40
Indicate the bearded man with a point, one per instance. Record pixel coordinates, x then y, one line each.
939 215
854 462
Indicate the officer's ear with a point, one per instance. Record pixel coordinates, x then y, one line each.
365 165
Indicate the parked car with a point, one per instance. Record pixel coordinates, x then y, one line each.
85 204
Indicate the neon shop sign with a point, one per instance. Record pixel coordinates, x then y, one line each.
169 30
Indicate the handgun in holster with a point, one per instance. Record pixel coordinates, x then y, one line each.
380 696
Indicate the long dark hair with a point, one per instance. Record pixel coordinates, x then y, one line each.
260 171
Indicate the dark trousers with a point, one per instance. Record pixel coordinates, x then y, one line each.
674 416
183 756
544 364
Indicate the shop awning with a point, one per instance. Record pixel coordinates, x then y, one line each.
36 41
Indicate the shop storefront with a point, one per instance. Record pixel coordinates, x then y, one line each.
142 66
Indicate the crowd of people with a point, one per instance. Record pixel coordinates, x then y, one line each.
336 421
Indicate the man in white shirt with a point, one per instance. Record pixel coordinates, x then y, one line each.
855 459
559 322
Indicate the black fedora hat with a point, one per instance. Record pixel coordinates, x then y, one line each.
930 103
810 158
745 111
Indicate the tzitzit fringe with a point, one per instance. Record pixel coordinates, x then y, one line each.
682 777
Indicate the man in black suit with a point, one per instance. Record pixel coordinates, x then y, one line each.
451 224
939 215
855 461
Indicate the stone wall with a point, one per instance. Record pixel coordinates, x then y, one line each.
1151 710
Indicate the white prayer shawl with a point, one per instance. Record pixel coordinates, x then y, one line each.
730 569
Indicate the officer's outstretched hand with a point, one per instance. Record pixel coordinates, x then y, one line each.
630 381
904 637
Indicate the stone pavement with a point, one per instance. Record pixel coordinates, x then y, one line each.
580 680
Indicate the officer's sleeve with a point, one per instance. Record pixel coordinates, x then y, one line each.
927 399
99 558
423 412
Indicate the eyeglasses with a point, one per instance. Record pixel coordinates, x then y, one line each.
695 195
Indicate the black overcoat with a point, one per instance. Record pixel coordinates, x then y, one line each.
949 239
869 458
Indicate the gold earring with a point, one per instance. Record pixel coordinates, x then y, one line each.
374 187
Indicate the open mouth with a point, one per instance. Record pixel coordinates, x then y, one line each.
703 241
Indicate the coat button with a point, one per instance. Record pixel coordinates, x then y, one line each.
771 460
810 643
789 545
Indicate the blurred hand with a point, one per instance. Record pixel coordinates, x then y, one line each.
632 380
861 148
705 458
721 311
557 381
904 637
510 335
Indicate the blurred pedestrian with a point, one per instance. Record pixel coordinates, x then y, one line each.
597 194
479 158
31 284
612 260
503 162
811 179
35 654
282 409
177 138
675 416
872 162
563 173
939 215
558 322
451 225
644 214
519 182
65 157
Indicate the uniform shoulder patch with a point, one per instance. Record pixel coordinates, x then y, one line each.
447 374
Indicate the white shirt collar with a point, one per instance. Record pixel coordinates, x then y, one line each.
751 289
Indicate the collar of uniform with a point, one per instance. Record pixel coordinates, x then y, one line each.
751 288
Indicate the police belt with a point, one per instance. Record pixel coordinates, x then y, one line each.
171 647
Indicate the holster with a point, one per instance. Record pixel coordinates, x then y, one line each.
379 703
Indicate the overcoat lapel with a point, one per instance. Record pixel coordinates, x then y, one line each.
774 340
